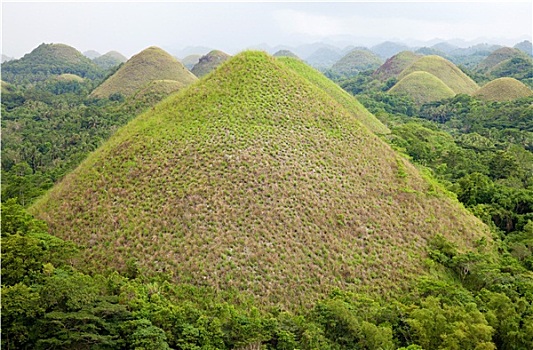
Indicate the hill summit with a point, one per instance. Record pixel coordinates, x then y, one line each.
150 64
422 87
209 62
356 61
395 65
254 179
503 89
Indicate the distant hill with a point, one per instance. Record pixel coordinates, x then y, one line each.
525 46
47 60
6 58
503 89
444 47
429 51
323 58
356 61
91 54
209 62
190 61
254 180
285 53
499 56
110 59
395 65
446 71
422 87
518 67
150 64
388 49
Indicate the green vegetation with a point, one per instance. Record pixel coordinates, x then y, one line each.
499 56
395 65
422 87
110 60
48 60
446 71
150 64
503 89
285 53
190 61
209 62
257 181
354 62
323 58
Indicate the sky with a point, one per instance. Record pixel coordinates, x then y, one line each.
129 27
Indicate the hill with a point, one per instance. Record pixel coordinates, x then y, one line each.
150 64
356 61
209 62
388 49
255 180
323 58
525 46
6 58
48 60
92 54
517 67
68 78
499 56
503 89
446 71
190 61
395 65
155 91
348 101
109 60
285 53
422 87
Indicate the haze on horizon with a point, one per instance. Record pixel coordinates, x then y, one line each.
129 27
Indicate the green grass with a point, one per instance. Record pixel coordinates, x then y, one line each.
503 89
446 71
150 64
356 61
68 77
422 87
345 99
209 62
395 65
255 179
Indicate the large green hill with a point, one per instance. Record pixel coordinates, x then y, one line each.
356 61
209 62
446 71
503 89
256 180
395 65
422 87
150 64
48 60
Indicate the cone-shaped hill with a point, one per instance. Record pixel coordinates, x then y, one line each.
356 61
446 71
285 53
498 56
254 179
395 65
110 59
49 60
503 89
209 62
422 87
341 96
150 64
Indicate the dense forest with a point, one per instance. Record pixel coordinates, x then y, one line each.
479 151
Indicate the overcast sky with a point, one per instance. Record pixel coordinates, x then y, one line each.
129 27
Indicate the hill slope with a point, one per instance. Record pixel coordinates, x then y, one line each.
356 61
499 56
209 62
422 87
285 53
150 64
338 94
47 60
254 179
190 61
395 65
503 89
446 71
323 58
110 59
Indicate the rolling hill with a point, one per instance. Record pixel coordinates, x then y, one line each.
209 62
285 53
109 60
388 49
499 56
503 89
356 61
323 58
255 180
150 64
48 60
422 87
446 71
525 46
395 65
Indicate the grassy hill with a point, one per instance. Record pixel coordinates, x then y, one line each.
395 65
190 61
155 91
517 67
209 62
109 60
150 64
256 180
503 89
422 87
499 56
323 58
48 60
446 71
285 53
356 61
338 94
